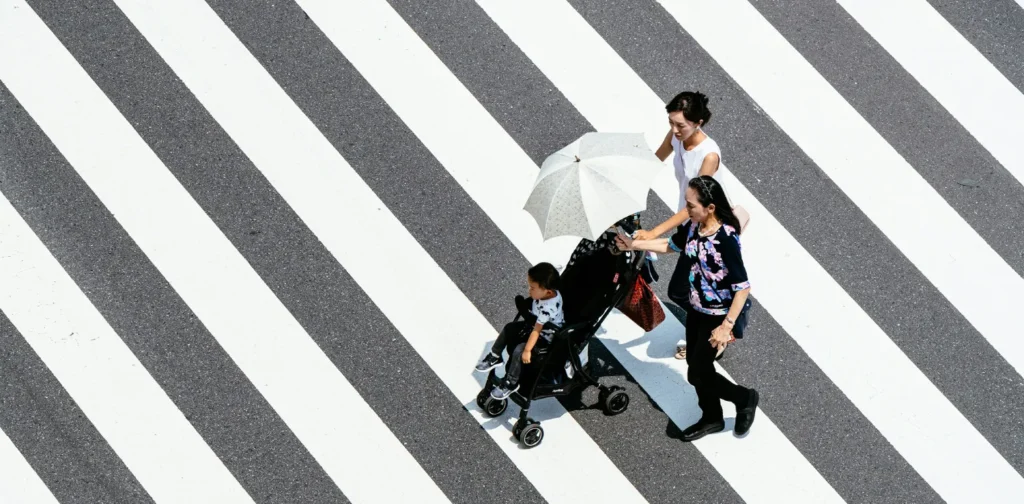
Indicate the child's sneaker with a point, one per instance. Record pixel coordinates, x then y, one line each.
502 391
489 362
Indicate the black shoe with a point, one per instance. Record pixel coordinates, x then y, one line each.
745 415
702 428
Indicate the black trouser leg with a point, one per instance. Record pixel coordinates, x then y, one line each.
711 387
514 366
510 335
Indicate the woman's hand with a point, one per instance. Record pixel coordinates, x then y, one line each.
645 234
721 336
527 355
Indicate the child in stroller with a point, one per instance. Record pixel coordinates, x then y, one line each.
596 280
546 314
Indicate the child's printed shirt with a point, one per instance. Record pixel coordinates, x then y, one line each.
548 310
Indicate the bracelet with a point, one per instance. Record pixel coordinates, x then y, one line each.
731 322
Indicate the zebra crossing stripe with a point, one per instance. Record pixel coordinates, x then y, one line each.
319 185
910 416
173 462
952 70
270 347
18 481
872 174
127 406
459 132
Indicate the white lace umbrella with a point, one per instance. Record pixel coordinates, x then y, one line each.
592 183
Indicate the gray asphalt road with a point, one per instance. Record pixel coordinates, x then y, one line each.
250 437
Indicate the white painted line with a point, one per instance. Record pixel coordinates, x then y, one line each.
834 331
129 409
762 466
460 133
320 185
312 397
18 481
873 175
981 98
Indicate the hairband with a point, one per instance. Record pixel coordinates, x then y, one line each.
706 189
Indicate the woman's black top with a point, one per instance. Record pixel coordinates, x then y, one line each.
710 269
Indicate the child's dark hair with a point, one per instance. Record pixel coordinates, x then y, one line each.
693 105
545 275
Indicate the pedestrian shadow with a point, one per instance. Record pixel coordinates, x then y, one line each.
608 362
665 376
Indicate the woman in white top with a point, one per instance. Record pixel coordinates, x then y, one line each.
695 153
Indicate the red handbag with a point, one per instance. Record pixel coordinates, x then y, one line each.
641 306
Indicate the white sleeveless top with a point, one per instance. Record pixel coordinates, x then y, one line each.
688 163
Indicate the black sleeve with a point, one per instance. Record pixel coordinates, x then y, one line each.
732 258
677 241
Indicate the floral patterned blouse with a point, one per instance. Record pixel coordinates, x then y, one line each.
712 267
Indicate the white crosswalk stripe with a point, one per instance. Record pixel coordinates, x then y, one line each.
458 131
910 416
20 483
976 93
315 400
101 374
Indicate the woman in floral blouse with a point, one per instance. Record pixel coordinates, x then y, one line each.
710 282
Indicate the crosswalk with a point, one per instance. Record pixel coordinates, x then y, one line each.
257 247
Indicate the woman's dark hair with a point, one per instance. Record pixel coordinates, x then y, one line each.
693 105
545 275
710 191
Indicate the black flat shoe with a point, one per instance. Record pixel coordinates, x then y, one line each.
745 415
701 429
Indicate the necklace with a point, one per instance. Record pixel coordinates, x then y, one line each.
704 234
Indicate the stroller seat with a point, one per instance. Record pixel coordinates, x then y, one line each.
592 285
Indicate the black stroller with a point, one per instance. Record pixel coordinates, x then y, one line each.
597 278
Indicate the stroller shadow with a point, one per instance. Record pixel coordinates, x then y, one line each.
609 361
656 345
540 410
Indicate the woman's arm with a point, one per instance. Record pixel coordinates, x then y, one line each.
710 165
723 333
666 147
737 306
669 224
737 281
663 152
659 245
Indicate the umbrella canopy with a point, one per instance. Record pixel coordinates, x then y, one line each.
592 183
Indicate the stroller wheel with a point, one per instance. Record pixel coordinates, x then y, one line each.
481 398
615 401
517 429
531 435
494 407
